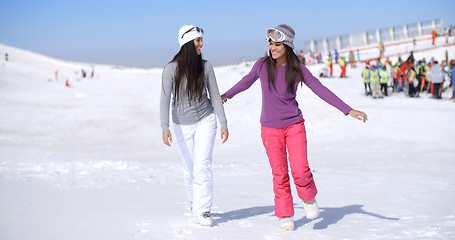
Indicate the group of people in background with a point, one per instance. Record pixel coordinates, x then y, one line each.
410 76
69 79
447 33
327 71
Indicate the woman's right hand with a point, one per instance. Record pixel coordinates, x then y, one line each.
224 98
167 138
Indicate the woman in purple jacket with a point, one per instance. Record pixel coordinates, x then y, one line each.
282 121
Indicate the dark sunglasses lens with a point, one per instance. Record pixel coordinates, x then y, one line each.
191 29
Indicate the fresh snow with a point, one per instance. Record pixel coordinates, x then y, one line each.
87 161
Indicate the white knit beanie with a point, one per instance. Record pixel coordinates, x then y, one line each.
185 36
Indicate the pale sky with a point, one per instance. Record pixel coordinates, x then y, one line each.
143 33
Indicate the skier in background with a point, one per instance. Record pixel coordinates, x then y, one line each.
343 67
351 59
433 36
336 55
384 79
411 77
302 57
451 73
381 50
396 78
426 74
403 69
330 62
419 77
366 80
436 78
375 85
93 72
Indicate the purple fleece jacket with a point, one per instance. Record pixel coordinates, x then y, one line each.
280 108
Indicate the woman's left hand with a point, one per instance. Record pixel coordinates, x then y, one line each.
224 135
223 98
358 115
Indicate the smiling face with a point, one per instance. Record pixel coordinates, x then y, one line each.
278 51
198 43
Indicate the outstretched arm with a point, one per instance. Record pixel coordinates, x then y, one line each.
245 82
358 115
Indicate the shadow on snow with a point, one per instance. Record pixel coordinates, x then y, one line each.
329 216
241 214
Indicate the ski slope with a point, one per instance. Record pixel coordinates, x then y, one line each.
87 161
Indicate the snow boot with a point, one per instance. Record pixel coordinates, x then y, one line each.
287 223
205 219
311 209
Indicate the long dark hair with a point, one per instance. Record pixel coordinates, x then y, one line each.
293 70
191 67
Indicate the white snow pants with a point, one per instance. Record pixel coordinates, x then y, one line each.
195 144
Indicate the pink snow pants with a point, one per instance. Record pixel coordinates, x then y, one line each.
293 139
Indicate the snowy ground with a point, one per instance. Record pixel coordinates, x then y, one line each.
87 161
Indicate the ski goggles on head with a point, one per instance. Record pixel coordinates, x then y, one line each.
198 29
277 36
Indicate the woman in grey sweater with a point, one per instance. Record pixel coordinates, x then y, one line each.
190 81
